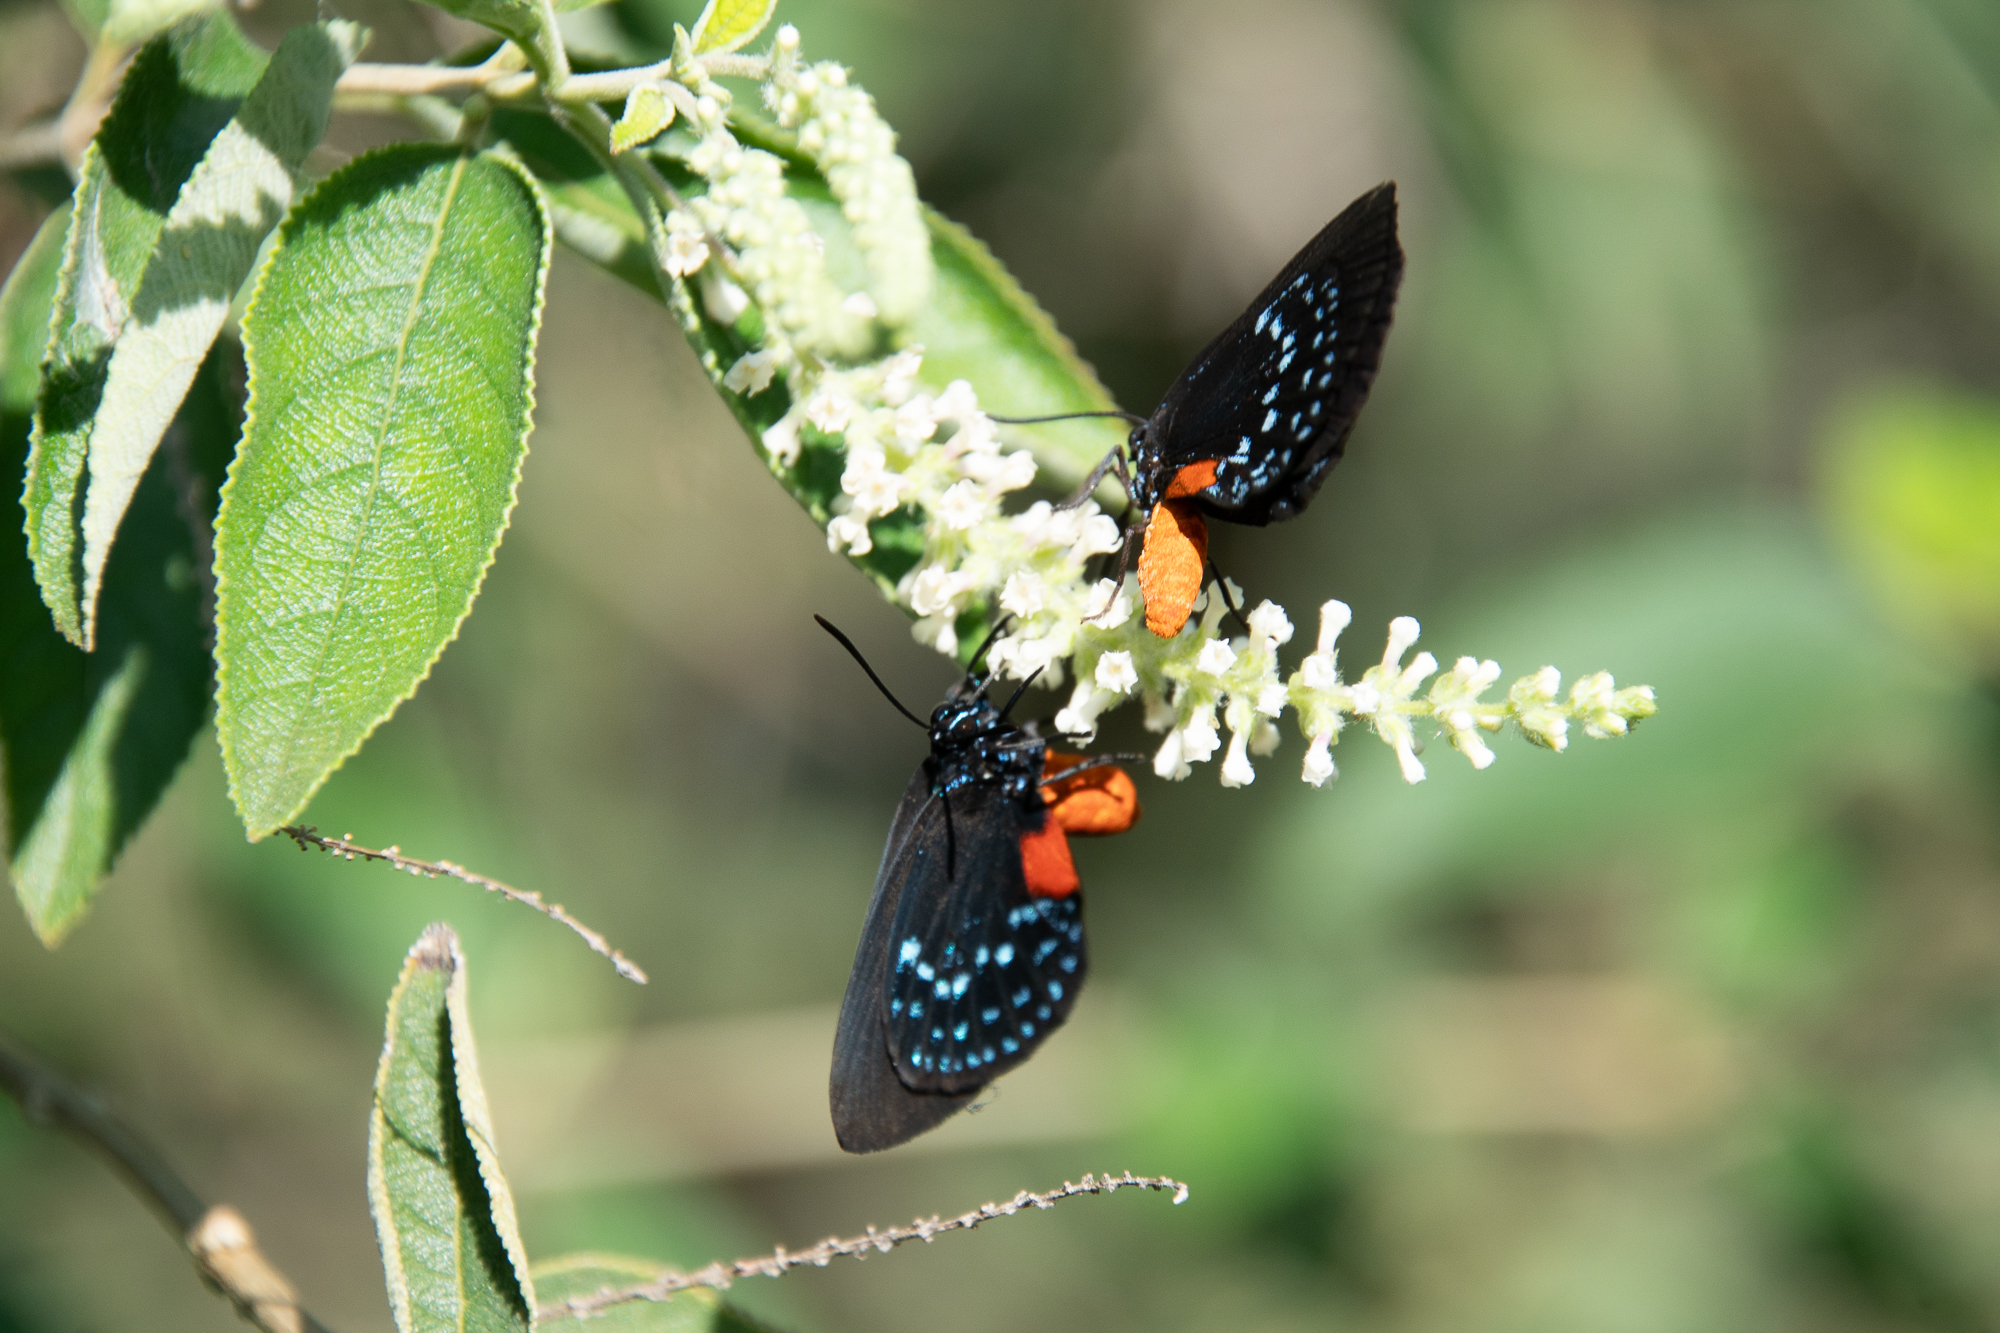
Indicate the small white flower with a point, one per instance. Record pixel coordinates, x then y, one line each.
1270 623
899 375
861 305
1236 769
1271 699
958 402
1264 738
976 433
1199 738
875 489
686 252
1079 719
936 590
1334 616
724 300
1318 768
751 374
781 441
1016 472
849 534
1541 719
1024 593
1169 763
1100 536
1107 608
939 632
914 421
1215 657
1116 673
829 411
1318 672
962 506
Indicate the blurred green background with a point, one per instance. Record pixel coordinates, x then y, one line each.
1692 380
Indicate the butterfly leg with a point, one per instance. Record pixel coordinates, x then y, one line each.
1222 586
1113 462
1133 536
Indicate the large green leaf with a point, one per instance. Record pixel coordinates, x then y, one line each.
182 90
695 1310
726 25
88 741
391 346
451 1251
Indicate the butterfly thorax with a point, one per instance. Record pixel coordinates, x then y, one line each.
973 745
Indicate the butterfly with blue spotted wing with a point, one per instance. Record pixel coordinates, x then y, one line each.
973 948
1249 431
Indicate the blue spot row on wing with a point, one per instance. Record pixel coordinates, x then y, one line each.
1012 994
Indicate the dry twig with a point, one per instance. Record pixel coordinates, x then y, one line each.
777 1263
220 1241
345 847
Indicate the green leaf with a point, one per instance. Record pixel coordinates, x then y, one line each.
89 741
391 346
236 194
443 1214
182 90
696 1310
725 25
647 112
1912 483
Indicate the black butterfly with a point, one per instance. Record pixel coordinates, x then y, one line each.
1250 429
973 950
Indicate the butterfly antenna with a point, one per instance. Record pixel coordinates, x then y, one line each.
855 653
999 626
1065 416
1021 691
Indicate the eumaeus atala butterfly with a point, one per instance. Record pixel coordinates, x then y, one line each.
973 949
1252 426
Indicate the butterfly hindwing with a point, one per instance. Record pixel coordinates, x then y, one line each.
1273 398
979 971
872 1109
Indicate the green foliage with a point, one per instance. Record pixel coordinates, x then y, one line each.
183 89
390 347
443 1214
203 251
92 739
728 25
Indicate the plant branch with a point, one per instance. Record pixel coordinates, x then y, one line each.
220 1241
777 1263
307 837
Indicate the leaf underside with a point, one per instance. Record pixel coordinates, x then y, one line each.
451 1251
89 741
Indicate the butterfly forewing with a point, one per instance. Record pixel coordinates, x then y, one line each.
980 973
1273 398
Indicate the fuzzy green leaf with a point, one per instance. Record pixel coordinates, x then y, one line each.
240 189
647 112
577 1276
89 741
182 89
444 1217
391 346
726 25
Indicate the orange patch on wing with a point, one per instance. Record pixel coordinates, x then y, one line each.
1095 803
1046 862
1192 478
1170 566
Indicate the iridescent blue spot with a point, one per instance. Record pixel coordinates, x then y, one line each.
1270 416
1285 362
916 1008
959 983
972 1062
926 971
1028 1029
937 1034
988 1053
1009 1045
979 959
1067 962
1055 990
896 1005
908 954
1042 1012
941 989
1004 954
1042 951
958 1033
1022 996
991 1014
